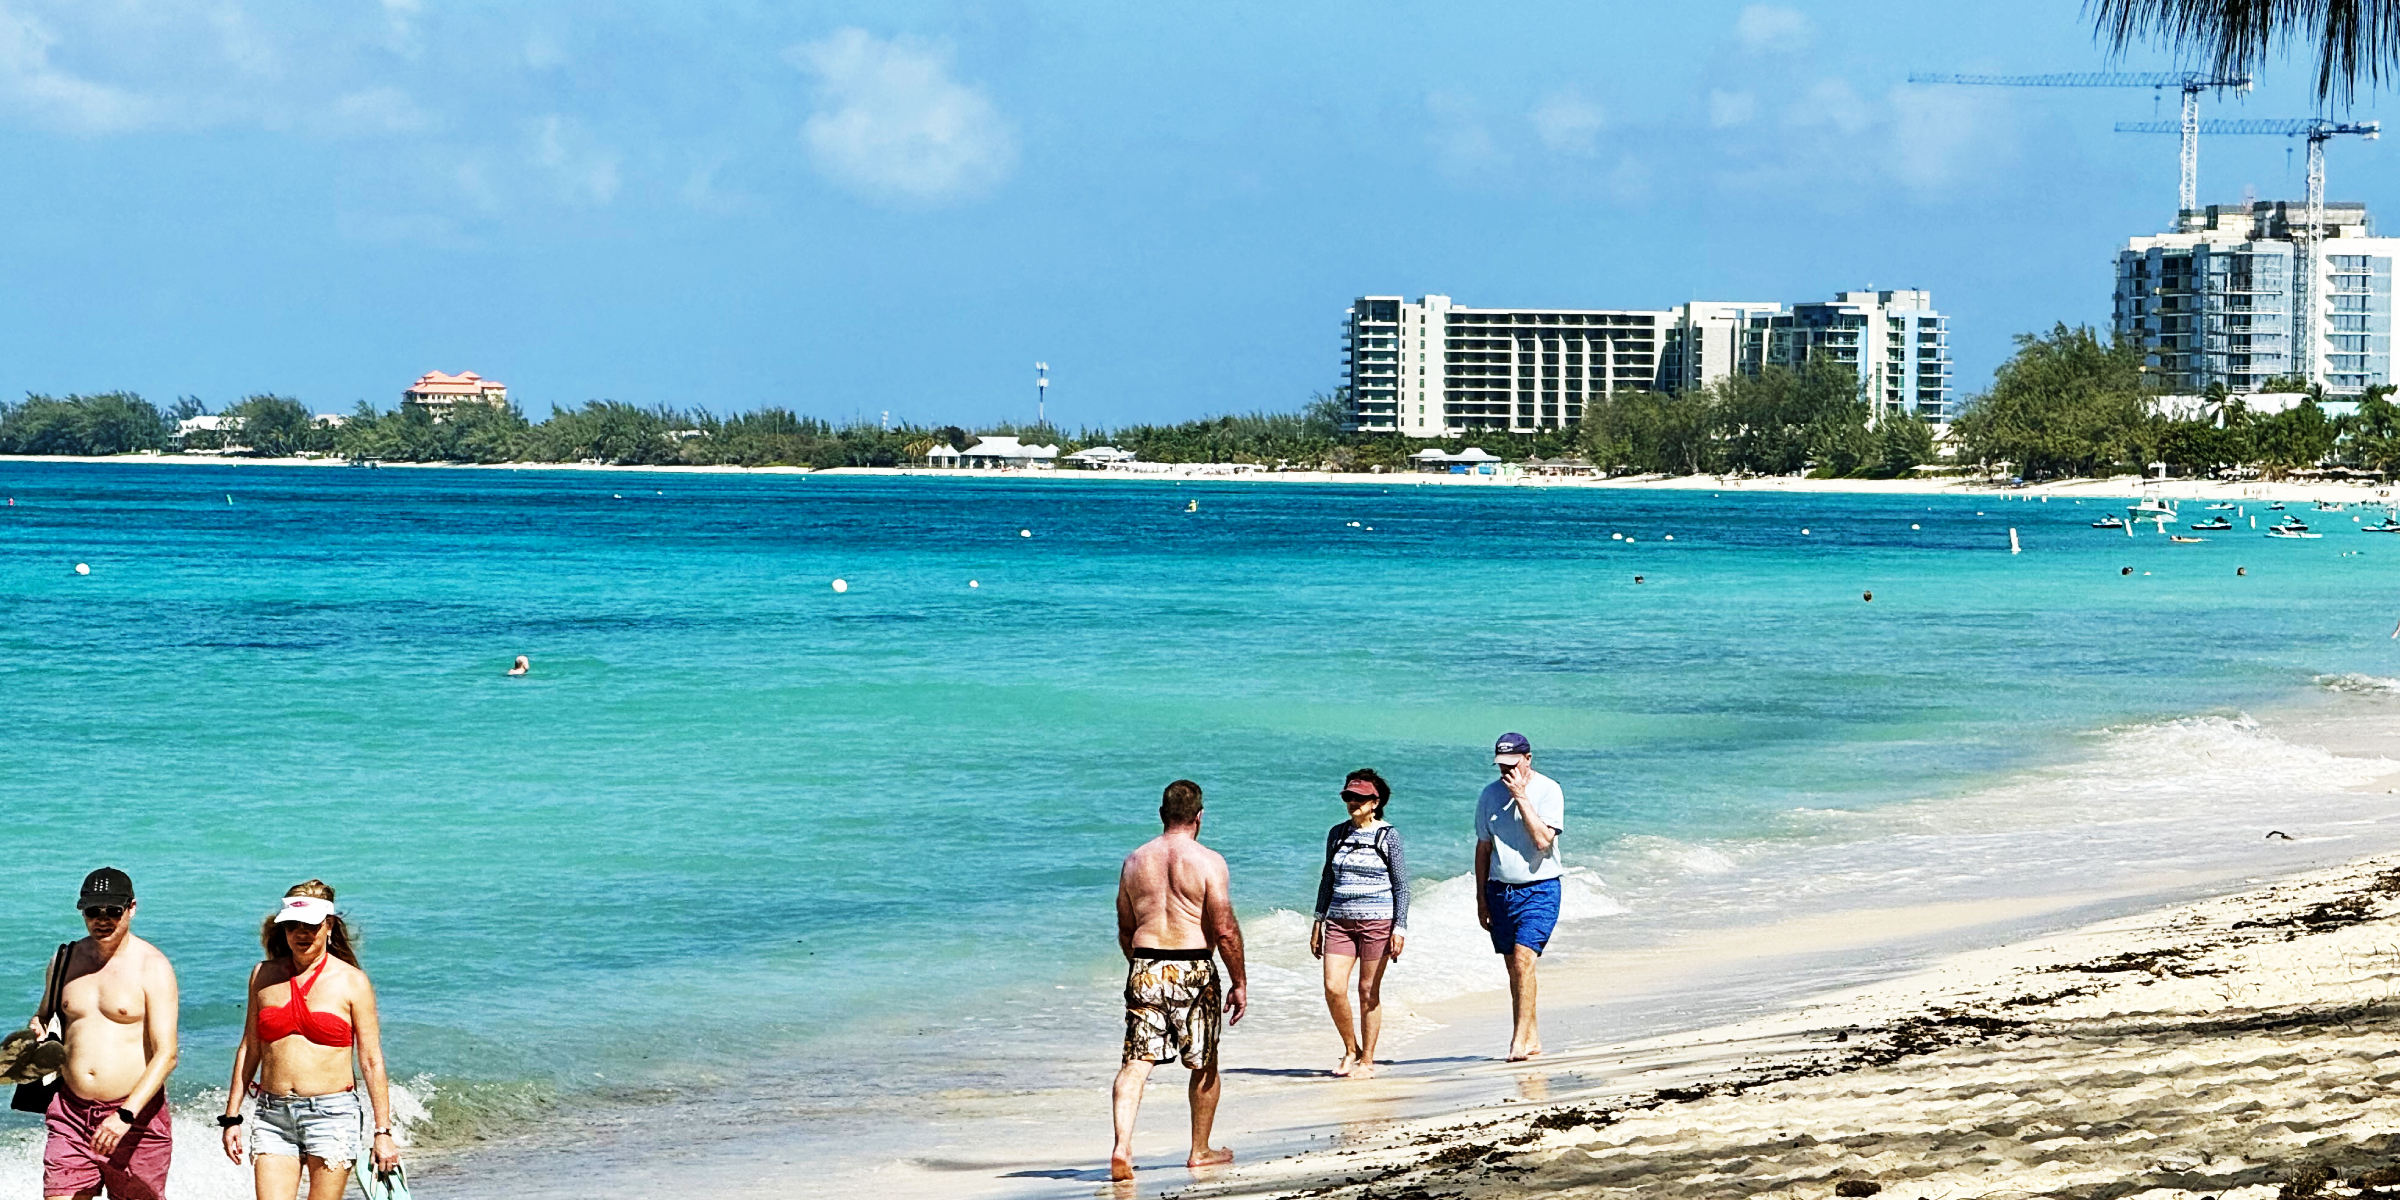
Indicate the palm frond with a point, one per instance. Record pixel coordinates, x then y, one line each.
2354 39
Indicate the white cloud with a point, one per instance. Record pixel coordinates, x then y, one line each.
1568 123
1459 138
1728 109
586 169
1765 28
374 110
53 97
893 123
1831 102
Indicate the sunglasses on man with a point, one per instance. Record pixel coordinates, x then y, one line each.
104 912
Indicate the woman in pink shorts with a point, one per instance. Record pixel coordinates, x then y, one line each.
1362 916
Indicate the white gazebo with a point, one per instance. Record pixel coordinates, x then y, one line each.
1101 458
942 456
1001 453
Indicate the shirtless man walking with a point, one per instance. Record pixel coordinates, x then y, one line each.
1174 913
108 1124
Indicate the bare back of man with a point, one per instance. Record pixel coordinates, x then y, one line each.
1174 919
1168 881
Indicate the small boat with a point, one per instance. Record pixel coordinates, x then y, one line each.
2152 508
2286 531
2389 526
2219 523
2177 537
2290 523
2275 507
2221 508
2111 521
2322 506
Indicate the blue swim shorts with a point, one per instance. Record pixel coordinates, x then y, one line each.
1523 914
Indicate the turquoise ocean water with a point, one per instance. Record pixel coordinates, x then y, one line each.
740 836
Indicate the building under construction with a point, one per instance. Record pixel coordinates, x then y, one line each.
2228 299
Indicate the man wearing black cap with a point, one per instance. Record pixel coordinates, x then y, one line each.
108 1123
1517 822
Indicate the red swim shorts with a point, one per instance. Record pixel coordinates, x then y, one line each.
136 1171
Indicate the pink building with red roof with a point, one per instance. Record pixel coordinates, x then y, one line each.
442 394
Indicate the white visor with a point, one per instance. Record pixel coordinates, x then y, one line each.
307 910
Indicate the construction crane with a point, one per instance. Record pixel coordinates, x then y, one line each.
2191 83
2318 131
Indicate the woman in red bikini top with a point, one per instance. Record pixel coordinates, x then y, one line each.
310 1033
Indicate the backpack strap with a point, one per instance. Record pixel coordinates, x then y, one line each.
56 985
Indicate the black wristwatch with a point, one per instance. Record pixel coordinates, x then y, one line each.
226 1122
127 1115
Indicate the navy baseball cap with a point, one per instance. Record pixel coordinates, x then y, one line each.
1511 749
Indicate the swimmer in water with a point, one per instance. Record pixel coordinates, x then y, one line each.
523 665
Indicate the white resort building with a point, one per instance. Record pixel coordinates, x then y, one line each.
441 394
1436 368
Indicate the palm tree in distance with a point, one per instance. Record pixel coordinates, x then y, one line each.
2353 37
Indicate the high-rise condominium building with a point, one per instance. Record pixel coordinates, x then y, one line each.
2226 299
1436 368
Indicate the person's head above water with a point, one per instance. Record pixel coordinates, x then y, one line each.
1180 807
523 665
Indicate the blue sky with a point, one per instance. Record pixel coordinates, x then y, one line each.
849 209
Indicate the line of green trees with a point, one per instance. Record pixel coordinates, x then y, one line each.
2071 403
2068 402
1779 422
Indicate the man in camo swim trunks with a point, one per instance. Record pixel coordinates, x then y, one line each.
1174 917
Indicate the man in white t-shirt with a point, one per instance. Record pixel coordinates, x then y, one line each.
1517 822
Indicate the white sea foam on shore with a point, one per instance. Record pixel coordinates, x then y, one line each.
199 1170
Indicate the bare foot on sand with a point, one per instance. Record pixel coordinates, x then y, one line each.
1348 1064
1364 1070
1209 1158
1120 1166
1526 1053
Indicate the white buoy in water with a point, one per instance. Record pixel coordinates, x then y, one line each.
1024 533
1913 525
1803 532
83 568
1670 537
973 583
841 585
2013 547
1616 537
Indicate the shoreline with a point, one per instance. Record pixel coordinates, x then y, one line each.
2222 1047
2112 488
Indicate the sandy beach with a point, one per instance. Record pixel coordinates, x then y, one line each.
2236 1047
2111 489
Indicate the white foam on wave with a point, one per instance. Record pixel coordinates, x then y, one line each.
1447 954
199 1170
2360 685
2194 794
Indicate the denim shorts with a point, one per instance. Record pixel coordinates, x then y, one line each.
320 1127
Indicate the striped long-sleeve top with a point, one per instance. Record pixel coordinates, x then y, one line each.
1362 883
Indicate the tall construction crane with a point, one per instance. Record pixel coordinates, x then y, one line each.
2191 83
2318 131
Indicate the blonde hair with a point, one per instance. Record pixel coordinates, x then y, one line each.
337 933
